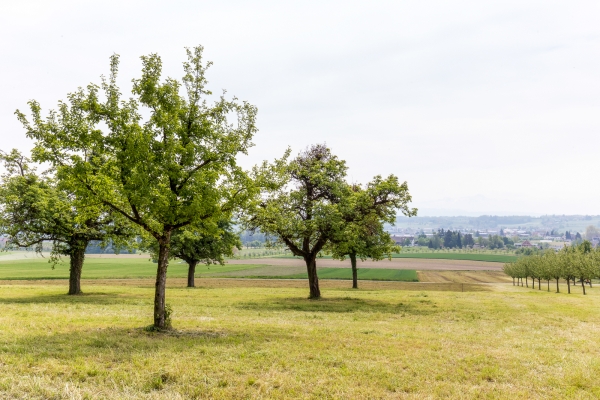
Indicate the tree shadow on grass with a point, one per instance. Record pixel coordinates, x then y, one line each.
84 298
343 305
116 344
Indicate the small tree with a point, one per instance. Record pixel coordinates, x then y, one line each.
301 206
171 171
36 208
209 247
365 211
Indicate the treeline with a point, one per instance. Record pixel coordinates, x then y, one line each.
448 239
573 264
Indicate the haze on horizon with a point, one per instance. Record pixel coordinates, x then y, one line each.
483 108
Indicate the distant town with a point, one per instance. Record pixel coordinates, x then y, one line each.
496 232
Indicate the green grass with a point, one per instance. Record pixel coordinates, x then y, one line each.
447 256
250 342
373 274
104 268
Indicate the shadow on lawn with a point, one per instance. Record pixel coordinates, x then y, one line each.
84 298
116 343
343 305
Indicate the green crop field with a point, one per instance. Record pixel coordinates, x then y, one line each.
105 268
251 342
374 274
503 258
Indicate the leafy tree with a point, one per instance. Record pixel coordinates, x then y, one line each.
206 245
591 232
468 240
170 171
35 209
366 210
314 206
305 213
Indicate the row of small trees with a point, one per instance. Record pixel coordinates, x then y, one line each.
158 170
573 264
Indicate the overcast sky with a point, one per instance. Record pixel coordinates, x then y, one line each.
484 107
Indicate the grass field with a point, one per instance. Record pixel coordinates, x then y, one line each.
115 268
503 258
405 275
104 268
237 341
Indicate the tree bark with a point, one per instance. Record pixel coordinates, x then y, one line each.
354 271
313 279
527 281
77 255
539 283
548 284
161 281
583 286
191 272
569 286
557 289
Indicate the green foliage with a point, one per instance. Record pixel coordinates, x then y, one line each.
571 263
171 170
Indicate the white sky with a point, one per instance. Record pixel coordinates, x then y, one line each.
484 107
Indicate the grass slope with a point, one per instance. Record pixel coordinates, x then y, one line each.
245 342
104 268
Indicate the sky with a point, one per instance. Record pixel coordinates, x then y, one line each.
482 107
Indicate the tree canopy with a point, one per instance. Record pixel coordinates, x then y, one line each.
168 171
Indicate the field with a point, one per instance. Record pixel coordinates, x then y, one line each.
445 255
235 340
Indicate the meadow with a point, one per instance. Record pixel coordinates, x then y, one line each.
264 339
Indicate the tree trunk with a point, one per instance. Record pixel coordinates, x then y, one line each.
539 283
313 279
557 288
354 271
77 255
513 281
160 317
548 284
527 281
191 272
569 286
583 286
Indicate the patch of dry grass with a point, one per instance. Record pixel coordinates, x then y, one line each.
233 340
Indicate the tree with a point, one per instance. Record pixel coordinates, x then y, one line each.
207 245
363 236
36 208
304 215
591 232
173 170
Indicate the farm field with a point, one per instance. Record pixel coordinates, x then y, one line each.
279 272
237 338
108 267
395 263
488 257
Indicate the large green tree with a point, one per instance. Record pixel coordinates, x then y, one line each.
302 211
36 208
164 159
365 211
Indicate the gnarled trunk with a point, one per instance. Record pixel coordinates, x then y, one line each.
191 272
313 279
77 256
354 271
160 318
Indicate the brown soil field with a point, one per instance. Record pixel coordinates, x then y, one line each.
396 263
463 277
211 283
